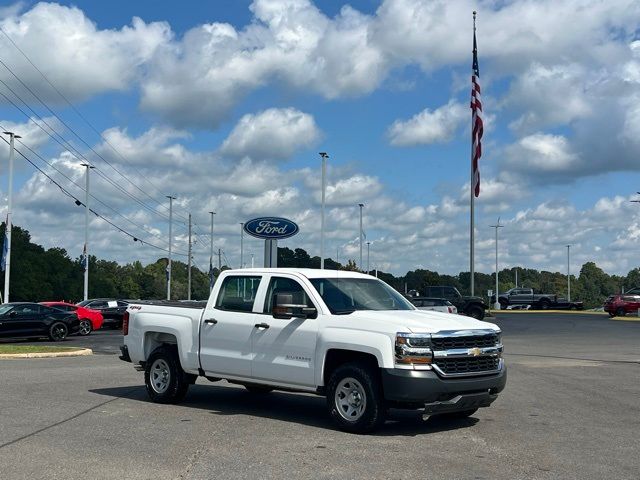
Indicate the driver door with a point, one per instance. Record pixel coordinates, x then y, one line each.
284 351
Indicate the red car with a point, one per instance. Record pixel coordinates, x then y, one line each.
621 304
89 319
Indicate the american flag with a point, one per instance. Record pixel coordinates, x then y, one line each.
476 117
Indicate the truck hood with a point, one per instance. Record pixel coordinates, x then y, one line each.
415 321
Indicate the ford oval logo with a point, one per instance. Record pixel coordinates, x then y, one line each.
271 228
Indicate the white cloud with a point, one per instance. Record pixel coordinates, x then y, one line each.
428 126
87 60
271 134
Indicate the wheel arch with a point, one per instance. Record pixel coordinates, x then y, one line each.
335 357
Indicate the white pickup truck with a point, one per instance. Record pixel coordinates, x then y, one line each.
345 335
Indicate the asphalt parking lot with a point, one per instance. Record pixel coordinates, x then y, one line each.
571 410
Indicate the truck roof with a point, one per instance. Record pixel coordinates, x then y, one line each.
307 272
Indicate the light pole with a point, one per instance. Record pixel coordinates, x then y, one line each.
568 273
211 255
171 199
360 205
496 304
368 244
241 245
86 231
7 256
324 188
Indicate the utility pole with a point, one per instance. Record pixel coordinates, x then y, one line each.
360 205
9 224
219 260
86 231
171 199
568 273
189 263
324 187
496 305
368 243
516 277
241 245
211 255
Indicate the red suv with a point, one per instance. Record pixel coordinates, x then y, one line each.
621 304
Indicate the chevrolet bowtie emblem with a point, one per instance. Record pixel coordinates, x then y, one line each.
475 352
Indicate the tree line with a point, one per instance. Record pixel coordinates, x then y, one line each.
39 274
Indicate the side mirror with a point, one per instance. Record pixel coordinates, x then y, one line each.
284 308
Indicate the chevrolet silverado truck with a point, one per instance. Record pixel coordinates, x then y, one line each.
344 335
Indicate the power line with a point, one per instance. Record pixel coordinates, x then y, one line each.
84 119
80 203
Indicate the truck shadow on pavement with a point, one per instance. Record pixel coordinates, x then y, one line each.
304 409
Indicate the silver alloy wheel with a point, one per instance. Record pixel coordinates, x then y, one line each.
350 399
59 332
160 375
85 327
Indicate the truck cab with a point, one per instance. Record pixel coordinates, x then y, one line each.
345 335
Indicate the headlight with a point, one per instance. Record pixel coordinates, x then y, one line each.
413 349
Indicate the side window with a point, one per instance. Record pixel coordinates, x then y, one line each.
98 304
22 310
238 294
448 292
286 285
47 310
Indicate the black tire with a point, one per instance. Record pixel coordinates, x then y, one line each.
544 304
612 314
258 389
620 312
164 378
503 304
365 388
58 332
476 312
86 327
456 415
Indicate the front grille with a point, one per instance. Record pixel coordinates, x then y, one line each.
468 365
472 341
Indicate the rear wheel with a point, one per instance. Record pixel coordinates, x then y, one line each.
476 312
544 304
164 378
85 327
620 312
354 398
58 332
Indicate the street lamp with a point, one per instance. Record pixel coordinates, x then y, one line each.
496 304
7 255
324 156
360 205
86 231
568 273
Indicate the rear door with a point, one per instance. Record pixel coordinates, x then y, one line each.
227 325
284 349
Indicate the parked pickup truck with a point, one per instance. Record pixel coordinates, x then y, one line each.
344 335
525 296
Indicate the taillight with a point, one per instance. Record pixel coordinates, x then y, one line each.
125 323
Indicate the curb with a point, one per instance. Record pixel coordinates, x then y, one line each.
626 319
74 353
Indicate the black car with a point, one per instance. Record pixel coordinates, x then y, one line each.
22 319
470 306
112 310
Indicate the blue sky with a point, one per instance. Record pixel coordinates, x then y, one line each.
226 104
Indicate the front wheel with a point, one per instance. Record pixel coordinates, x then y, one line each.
164 378
620 312
58 332
354 398
85 327
544 305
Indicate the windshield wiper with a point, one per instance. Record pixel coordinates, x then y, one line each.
344 312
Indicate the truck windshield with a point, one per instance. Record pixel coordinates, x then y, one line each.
346 295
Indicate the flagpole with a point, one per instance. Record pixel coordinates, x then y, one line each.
471 193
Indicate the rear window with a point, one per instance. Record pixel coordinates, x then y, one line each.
238 293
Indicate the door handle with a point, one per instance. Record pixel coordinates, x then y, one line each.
211 321
262 325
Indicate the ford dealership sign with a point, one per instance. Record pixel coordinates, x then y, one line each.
271 228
